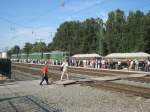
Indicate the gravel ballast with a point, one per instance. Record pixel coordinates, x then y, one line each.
71 98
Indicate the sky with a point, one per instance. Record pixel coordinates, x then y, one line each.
32 21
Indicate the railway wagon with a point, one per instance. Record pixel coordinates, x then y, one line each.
35 56
57 55
14 56
21 56
54 55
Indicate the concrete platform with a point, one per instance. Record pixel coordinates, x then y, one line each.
138 75
65 82
84 80
111 78
106 78
132 75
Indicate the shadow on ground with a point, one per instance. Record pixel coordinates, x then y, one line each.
27 104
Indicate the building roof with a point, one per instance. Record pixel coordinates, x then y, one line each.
140 55
86 56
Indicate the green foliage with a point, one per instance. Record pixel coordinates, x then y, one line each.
78 37
118 34
27 49
38 47
14 50
115 31
147 32
135 31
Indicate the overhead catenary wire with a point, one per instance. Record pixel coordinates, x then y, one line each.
37 17
63 4
89 7
33 19
33 29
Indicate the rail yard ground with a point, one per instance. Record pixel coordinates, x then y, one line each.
24 94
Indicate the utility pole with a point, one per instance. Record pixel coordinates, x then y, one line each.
100 41
69 49
101 38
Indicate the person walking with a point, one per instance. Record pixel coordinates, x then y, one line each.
64 69
136 65
147 66
131 65
44 74
103 63
119 65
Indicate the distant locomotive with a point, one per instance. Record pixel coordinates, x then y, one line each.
54 55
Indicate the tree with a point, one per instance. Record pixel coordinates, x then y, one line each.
147 32
39 47
78 37
135 34
27 48
16 50
115 31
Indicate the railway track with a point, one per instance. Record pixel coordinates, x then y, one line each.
145 79
129 89
55 75
85 71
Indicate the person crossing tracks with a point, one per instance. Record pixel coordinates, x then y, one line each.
64 69
44 74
